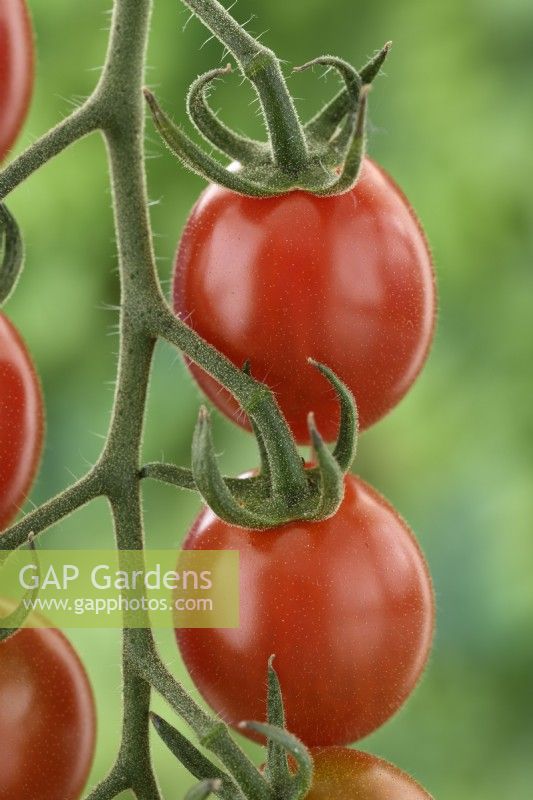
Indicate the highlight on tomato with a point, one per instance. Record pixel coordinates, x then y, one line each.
21 421
345 605
346 280
47 717
351 775
16 70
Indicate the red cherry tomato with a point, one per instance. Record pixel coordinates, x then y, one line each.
21 421
350 775
346 280
16 70
345 605
47 717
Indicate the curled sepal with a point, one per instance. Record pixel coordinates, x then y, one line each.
340 142
331 475
203 790
346 445
300 782
349 74
265 470
204 118
277 767
13 256
356 151
192 759
325 123
194 158
372 67
210 482
14 621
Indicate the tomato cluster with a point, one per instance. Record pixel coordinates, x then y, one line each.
345 604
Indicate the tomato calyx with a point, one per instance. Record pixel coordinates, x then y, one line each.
296 156
284 489
260 502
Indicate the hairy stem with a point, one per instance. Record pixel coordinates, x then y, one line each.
212 734
49 513
77 125
110 787
261 67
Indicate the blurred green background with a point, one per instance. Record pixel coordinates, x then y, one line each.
452 120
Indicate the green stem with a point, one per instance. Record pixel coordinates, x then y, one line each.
110 787
49 513
134 756
287 473
262 68
77 125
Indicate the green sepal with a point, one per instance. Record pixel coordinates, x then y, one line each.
193 759
265 471
194 158
300 782
336 147
203 790
210 482
324 124
331 475
213 130
346 446
277 766
13 255
356 148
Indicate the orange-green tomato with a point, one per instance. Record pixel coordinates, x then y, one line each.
342 774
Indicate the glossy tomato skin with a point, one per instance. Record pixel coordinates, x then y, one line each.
21 421
16 70
346 280
351 775
345 605
47 717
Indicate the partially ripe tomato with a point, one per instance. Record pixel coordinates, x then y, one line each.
345 605
21 421
16 70
342 774
346 280
47 717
